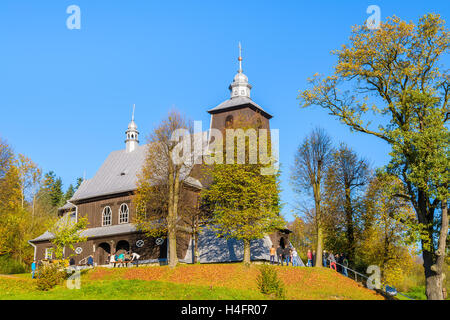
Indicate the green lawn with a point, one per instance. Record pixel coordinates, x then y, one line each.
123 289
195 282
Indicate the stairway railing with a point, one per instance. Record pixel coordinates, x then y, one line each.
356 274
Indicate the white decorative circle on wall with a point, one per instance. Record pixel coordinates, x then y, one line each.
78 250
140 243
159 241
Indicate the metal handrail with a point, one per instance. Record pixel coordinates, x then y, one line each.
363 276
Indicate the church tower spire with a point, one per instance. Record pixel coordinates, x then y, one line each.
240 86
132 135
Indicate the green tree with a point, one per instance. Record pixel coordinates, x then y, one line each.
67 233
78 184
69 192
244 203
399 65
51 190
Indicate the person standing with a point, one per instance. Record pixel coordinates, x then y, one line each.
90 261
345 266
294 258
338 261
332 260
309 256
273 252
324 258
33 269
314 258
280 255
112 260
287 255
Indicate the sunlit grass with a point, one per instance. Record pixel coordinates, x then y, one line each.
200 281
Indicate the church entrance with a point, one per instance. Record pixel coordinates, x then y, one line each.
282 243
122 247
103 250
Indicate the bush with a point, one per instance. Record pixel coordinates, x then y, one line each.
49 276
268 282
9 265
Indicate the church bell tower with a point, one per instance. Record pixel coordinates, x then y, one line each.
240 104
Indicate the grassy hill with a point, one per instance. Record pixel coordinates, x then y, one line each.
211 281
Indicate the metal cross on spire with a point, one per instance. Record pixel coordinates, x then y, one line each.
240 58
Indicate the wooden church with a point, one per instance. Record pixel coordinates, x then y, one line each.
107 201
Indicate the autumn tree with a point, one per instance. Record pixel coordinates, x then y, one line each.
385 238
302 236
243 200
346 179
308 174
66 233
30 176
163 197
17 224
397 65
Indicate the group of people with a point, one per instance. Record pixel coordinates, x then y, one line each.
338 262
284 255
123 258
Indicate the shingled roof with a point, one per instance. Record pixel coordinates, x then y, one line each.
117 174
239 102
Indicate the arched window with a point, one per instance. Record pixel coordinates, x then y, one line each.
229 121
106 216
124 213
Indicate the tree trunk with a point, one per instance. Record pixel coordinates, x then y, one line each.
317 198
434 263
349 223
319 262
247 252
171 219
32 211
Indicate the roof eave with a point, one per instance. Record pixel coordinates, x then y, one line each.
252 106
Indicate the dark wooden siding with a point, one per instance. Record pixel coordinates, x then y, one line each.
94 209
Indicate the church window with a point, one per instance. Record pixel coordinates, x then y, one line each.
48 253
106 216
228 121
124 213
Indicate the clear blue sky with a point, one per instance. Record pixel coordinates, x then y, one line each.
66 95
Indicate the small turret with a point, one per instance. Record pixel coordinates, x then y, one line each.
132 135
240 86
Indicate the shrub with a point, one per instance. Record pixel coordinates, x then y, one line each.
49 276
9 265
269 283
